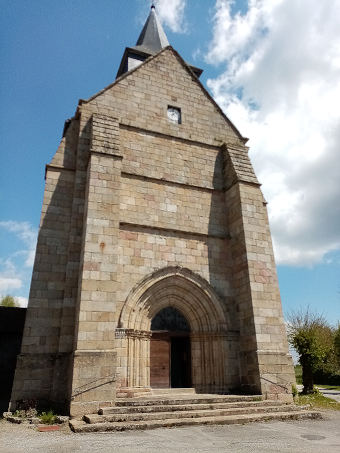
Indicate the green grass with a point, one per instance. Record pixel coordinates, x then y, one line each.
329 387
317 401
298 374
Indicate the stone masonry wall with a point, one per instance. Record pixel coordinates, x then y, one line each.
160 204
35 368
93 379
169 167
264 359
182 161
142 251
127 193
140 99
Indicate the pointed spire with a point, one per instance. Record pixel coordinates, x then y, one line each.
151 41
153 36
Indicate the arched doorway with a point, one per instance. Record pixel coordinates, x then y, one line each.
170 350
196 301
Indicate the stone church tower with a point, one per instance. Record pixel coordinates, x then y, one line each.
154 265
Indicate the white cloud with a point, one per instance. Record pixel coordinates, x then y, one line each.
27 234
9 283
280 85
30 258
10 280
171 13
23 229
15 269
23 301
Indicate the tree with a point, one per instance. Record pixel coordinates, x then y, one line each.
313 339
8 301
337 344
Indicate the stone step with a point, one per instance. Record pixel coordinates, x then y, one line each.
142 416
82 427
204 399
177 391
186 407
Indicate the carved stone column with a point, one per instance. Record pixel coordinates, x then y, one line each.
133 358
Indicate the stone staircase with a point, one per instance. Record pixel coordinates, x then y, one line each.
183 410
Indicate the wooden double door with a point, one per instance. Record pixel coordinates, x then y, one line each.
170 360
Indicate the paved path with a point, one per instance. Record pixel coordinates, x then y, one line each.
312 436
334 394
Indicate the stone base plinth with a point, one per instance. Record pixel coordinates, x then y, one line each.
277 375
94 381
132 392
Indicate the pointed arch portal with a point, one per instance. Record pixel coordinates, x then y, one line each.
197 302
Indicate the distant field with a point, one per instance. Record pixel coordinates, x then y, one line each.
298 374
329 387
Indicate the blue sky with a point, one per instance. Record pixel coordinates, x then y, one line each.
274 70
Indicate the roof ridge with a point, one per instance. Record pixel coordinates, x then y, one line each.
121 77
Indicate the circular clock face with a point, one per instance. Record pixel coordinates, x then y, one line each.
174 114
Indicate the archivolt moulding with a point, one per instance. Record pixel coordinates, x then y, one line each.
178 287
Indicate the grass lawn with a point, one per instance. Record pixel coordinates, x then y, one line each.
298 374
317 401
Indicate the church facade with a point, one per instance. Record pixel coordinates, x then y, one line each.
154 265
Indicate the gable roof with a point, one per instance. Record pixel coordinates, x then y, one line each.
188 69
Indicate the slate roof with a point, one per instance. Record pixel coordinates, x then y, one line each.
150 42
152 37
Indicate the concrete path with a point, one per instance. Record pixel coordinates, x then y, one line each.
334 394
312 436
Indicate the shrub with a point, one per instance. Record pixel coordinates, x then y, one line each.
313 339
8 301
48 418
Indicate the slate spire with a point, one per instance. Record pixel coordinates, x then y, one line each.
151 41
152 36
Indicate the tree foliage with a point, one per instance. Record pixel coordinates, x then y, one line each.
8 301
337 344
313 339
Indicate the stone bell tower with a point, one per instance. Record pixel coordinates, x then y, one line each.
154 264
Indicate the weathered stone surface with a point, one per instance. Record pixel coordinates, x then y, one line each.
140 214
146 414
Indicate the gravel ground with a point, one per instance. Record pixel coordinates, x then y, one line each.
304 436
